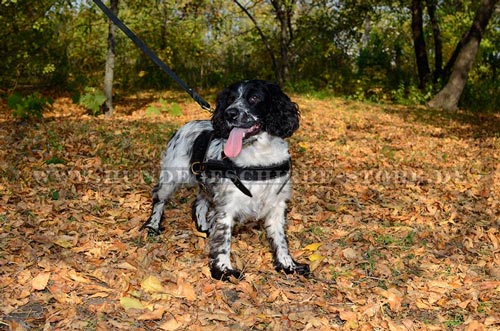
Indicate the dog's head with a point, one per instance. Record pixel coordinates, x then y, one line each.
249 107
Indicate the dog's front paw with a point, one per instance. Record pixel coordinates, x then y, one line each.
202 230
299 268
152 229
225 274
302 269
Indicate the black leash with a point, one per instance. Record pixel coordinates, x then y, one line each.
139 43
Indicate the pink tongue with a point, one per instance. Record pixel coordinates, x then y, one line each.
235 142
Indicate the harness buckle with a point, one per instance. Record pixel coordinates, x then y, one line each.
197 168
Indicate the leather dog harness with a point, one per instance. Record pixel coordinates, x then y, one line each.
226 168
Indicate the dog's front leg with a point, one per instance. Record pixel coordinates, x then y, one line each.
275 228
220 248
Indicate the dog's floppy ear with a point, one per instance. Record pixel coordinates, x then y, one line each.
282 119
218 122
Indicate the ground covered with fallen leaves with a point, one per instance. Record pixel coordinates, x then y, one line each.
396 209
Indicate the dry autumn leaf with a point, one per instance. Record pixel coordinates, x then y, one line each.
131 303
152 284
313 247
315 257
40 281
393 208
350 318
350 254
156 314
186 290
170 325
393 296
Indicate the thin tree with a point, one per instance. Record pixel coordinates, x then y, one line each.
284 12
107 107
436 33
263 37
417 27
465 53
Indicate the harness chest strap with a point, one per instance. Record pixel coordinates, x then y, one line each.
225 168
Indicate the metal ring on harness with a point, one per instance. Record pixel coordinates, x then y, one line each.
200 170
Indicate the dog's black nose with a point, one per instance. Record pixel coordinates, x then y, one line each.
232 114
237 117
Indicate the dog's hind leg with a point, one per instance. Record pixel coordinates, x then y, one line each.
199 211
161 192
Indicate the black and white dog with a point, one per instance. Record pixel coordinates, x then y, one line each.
241 163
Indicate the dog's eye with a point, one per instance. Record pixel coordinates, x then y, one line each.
254 99
230 99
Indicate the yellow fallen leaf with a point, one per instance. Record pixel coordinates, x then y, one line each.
131 303
115 212
313 247
64 243
315 257
40 282
303 145
152 284
316 260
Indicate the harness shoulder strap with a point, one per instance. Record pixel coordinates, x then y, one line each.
200 147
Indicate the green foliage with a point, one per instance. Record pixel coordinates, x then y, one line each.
153 111
28 107
55 160
411 95
92 100
54 194
482 92
173 108
455 321
147 177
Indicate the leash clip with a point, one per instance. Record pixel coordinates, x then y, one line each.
208 108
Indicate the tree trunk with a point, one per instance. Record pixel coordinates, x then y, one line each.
436 33
417 27
365 38
110 63
449 96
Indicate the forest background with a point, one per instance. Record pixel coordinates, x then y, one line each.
398 51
